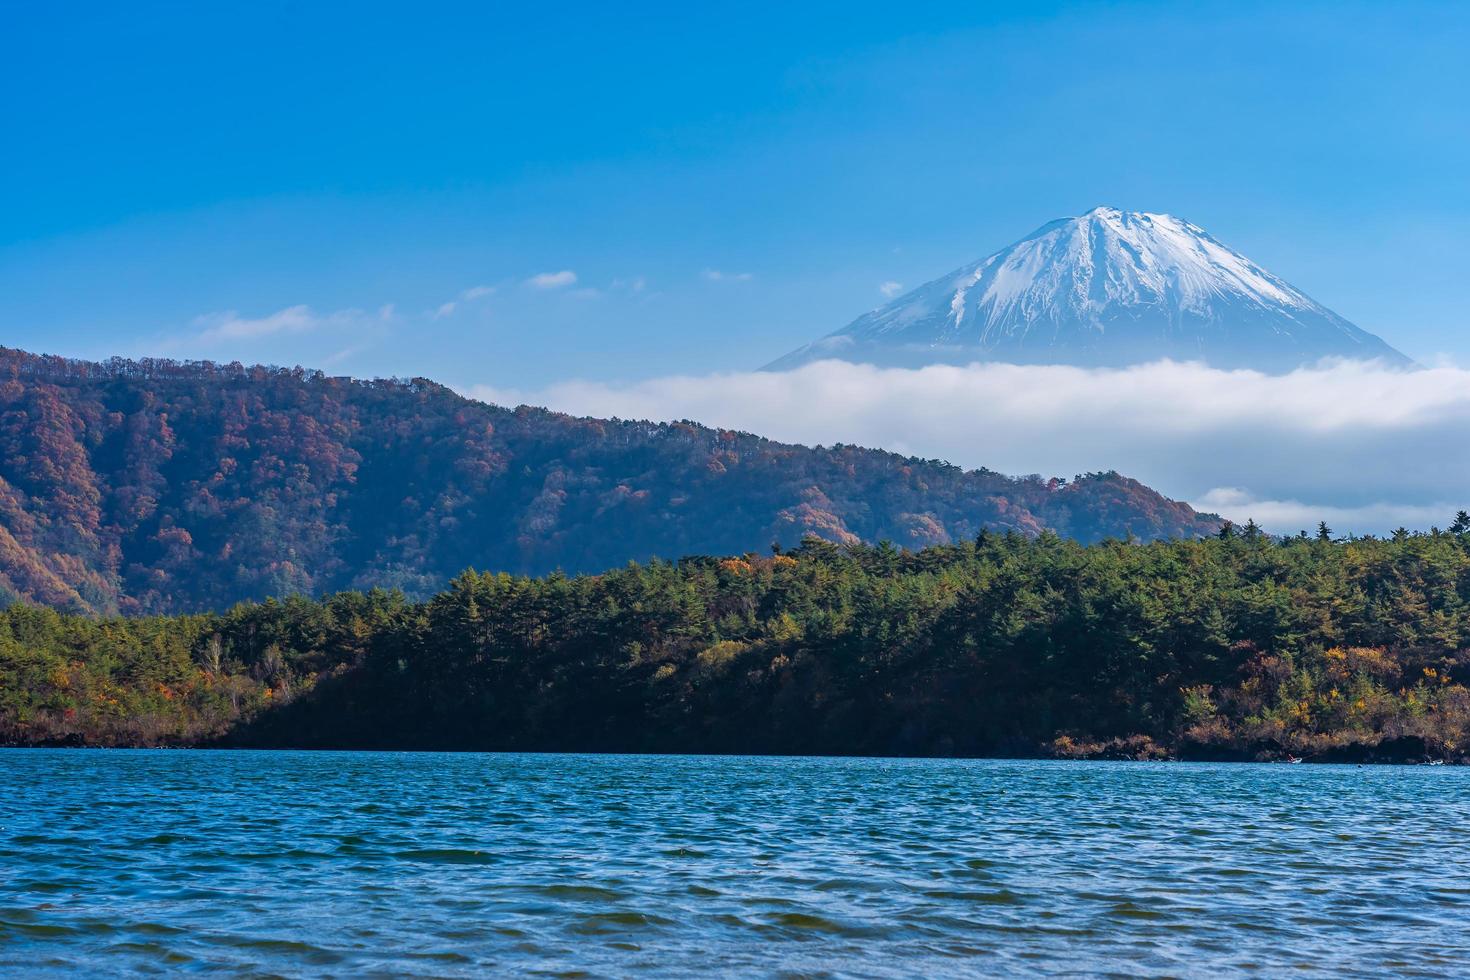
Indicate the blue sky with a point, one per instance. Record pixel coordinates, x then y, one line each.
700 187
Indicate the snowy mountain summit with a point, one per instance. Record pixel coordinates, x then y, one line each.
1108 288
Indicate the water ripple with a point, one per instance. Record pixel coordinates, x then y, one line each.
340 864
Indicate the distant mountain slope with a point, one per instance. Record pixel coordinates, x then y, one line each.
156 486
1107 288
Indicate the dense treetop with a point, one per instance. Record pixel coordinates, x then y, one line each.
1237 646
158 486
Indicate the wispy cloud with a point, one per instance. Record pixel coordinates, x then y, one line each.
467 296
230 325
890 288
346 353
1282 516
552 280
715 275
1363 446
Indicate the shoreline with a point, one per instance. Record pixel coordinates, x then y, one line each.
1239 759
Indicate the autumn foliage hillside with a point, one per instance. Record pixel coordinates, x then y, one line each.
158 486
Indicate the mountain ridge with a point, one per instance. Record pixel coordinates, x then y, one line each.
1104 289
160 486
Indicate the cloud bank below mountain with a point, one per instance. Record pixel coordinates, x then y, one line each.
1363 446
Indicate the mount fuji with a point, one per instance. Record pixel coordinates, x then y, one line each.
1108 288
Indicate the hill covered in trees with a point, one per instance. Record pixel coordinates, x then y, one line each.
1235 647
155 486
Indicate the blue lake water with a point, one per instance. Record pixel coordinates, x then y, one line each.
353 864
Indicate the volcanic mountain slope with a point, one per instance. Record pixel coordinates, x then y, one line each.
151 485
1108 288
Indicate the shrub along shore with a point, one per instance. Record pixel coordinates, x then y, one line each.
1237 647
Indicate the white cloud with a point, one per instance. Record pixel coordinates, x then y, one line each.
552 280
230 325
890 288
715 275
634 285
1366 447
451 307
337 357
1282 516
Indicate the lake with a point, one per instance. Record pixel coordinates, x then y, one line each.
355 864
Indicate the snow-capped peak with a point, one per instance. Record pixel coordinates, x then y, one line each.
1106 287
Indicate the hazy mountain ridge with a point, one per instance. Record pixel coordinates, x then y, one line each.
160 486
1107 288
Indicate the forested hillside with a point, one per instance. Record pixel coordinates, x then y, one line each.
1233 647
155 486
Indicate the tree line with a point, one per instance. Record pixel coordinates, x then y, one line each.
1238 646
